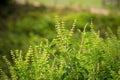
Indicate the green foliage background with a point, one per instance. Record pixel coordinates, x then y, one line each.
73 52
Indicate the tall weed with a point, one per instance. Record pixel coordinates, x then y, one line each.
88 57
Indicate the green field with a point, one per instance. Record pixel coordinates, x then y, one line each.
81 3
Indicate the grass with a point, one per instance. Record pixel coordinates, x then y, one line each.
87 57
81 3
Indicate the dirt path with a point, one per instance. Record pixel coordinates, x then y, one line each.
99 11
75 8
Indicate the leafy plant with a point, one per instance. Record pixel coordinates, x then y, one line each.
88 57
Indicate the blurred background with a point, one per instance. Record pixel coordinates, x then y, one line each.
26 22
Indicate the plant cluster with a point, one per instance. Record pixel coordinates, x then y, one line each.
88 57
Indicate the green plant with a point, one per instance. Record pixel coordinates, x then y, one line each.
89 57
